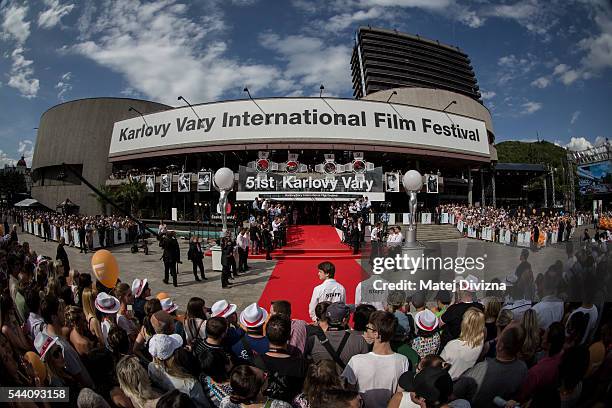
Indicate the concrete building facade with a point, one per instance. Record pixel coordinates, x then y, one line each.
78 133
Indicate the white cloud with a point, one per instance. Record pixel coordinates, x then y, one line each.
310 62
541 82
163 53
530 107
599 140
54 14
512 67
599 46
578 143
424 4
487 95
26 149
20 75
5 159
14 24
342 21
536 16
63 86
574 118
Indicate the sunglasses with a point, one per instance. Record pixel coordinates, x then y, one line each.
370 328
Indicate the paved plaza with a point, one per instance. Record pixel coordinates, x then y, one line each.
248 288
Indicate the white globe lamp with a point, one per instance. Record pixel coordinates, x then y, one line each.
224 182
413 182
224 179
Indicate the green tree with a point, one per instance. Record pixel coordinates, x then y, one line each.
11 184
130 195
108 191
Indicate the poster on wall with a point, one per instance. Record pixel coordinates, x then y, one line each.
432 183
135 179
150 183
392 182
204 180
184 182
165 185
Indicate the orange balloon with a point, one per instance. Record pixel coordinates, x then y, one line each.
39 367
105 268
162 295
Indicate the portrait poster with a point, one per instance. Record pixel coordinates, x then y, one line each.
432 183
392 182
150 183
204 178
165 184
184 182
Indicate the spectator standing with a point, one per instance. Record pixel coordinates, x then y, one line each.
427 339
247 384
135 383
253 342
195 320
376 374
335 342
501 376
141 291
298 327
167 374
452 318
62 256
463 352
286 370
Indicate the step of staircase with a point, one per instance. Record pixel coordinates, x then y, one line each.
433 232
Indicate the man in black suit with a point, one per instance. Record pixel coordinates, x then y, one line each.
227 253
196 256
61 255
81 231
171 256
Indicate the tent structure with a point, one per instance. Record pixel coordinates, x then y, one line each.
68 207
28 202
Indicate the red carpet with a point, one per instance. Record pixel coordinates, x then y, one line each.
295 274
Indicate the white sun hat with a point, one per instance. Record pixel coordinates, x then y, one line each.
426 320
222 308
253 316
138 286
168 305
106 303
163 346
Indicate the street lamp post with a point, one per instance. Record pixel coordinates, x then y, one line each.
413 182
224 182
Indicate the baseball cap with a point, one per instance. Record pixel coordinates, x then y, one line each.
163 346
432 383
336 312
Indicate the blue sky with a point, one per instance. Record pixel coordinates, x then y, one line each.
544 66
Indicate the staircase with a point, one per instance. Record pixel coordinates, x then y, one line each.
433 232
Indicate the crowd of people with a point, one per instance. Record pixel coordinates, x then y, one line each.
80 229
129 346
541 226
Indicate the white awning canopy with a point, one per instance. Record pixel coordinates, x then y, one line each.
28 202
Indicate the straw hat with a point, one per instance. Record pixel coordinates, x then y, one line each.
222 308
106 303
138 286
426 320
253 316
168 305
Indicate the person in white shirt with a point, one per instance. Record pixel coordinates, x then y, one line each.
329 290
550 308
376 374
590 310
242 240
463 352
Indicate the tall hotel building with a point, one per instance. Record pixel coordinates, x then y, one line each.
385 59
